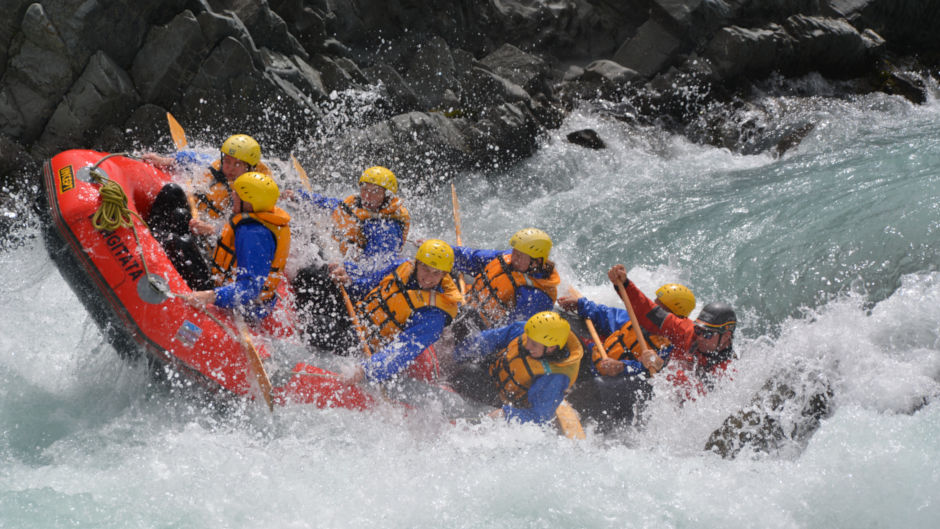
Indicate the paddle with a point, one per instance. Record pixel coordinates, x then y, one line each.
176 132
598 344
453 196
568 421
300 172
179 139
255 366
360 330
650 360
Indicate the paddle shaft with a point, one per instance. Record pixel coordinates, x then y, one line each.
598 344
360 330
647 357
453 197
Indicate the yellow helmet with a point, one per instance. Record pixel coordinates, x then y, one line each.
548 328
532 241
677 298
257 189
381 177
437 254
244 148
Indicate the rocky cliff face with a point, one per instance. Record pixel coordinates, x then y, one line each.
429 86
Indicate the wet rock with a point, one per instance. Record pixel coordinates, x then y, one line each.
586 138
529 72
102 95
169 59
146 129
431 72
483 88
9 26
651 50
267 28
780 419
400 96
38 74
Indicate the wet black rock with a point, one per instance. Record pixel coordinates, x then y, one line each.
586 138
488 77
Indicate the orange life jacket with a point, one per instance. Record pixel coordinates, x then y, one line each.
350 216
217 201
515 371
623 344
223 259
493 294
389 305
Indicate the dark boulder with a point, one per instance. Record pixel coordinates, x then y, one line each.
39 72
521 68
169 59
586 138
101 97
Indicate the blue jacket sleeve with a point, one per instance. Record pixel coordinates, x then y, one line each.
423 329
544 396
254 251
319 200
187 159
471 261
606 319
488 341
529 302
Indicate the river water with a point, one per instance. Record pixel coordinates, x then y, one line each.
828 254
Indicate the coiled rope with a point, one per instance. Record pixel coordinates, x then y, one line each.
114 213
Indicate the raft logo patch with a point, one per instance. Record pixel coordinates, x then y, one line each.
188 333
66 179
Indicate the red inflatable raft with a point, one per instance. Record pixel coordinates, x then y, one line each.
127 284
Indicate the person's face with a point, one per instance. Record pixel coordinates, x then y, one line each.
709 341
521 262
232 167
428 277
537 350
372 195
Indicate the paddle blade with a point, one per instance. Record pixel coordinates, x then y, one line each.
568 421
176 132
301 173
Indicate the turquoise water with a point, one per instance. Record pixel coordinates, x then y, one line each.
828 253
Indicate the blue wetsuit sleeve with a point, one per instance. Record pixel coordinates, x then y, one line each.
186 159
606 319
488 341
423 329
529 302
471 261
319 200
544 396
254 251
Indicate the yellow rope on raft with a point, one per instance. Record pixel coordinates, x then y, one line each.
113 212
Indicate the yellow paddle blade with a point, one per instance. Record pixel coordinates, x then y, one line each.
300 172
255 367
568 421
176 131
